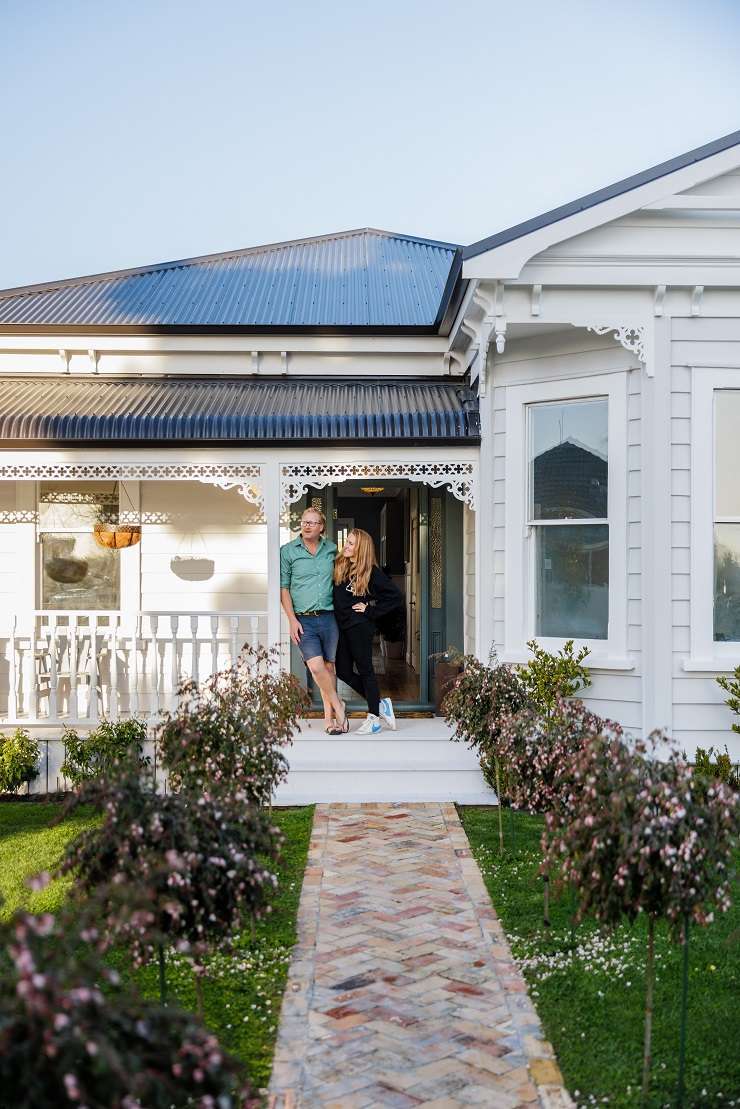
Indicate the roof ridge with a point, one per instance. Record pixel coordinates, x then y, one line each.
598 196
200 259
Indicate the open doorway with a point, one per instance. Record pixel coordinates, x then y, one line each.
418 536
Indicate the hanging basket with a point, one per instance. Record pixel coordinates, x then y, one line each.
66 571
118 537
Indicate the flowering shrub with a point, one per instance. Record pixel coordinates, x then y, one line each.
481 698
731 686
71 1034
641 834
229 732
97 754
547 678
537 749
192 868
19 760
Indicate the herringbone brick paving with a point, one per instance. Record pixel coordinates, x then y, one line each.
402 990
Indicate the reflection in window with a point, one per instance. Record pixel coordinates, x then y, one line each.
76 573
727 516
573 581
568 484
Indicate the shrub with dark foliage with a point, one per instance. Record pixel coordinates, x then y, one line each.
196 866
537 750
72 1035
230 731
643 833
480 700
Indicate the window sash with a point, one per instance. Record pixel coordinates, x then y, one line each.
518 604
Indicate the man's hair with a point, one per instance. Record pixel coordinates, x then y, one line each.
320 515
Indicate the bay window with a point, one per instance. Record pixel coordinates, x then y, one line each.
566 513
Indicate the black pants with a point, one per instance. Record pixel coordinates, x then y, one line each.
355 663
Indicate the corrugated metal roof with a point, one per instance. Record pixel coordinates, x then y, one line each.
363 278
607 193
36 410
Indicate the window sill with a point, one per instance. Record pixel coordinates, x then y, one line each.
718 665
593 662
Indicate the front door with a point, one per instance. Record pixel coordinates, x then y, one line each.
417 533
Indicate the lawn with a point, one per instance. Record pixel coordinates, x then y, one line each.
243 989
588 984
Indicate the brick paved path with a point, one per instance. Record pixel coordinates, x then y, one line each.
402 990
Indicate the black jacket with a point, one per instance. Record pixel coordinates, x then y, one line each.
382 597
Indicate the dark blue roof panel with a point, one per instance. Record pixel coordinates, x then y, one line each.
122 411
355 279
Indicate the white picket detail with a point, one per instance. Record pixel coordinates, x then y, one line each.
77 667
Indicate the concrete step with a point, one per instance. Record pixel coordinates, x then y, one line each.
418 762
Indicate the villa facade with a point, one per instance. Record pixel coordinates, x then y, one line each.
541 431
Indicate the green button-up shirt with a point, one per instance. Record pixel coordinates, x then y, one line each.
307 576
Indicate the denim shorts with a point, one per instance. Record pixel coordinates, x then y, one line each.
320 636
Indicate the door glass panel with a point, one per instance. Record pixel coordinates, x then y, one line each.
572 579
568 468
727 582
727 468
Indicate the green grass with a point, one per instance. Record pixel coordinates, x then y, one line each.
28 845
588 985
242 990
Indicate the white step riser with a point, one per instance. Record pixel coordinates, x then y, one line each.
409 754
464 786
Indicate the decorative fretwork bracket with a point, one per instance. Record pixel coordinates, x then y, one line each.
633 337
459 477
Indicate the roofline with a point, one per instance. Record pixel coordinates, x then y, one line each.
583 203
242 379
473 440
221 329
156 267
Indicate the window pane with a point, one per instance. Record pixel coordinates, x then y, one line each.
78 504
77 573
727 469
573 581
727 582
568 460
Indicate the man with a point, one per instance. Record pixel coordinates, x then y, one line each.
306 594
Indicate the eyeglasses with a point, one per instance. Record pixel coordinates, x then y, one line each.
310 523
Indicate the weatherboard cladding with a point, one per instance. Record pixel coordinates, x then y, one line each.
236 410
366 278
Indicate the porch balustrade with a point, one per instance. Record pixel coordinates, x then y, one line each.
63 667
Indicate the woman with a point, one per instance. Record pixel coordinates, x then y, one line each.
362 593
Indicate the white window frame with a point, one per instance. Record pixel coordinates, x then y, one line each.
706 654
609 653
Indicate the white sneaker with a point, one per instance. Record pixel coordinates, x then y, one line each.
386 713
371 726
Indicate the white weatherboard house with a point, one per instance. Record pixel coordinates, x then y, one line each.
541 430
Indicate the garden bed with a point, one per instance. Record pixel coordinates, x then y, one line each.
242 990
588 984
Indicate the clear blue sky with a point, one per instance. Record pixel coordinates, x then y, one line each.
136 131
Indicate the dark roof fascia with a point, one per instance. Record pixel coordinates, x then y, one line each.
451 296
252 444
219 329
591 200
240 379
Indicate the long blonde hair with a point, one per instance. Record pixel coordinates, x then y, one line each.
357 573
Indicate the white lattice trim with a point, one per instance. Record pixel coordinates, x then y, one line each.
459 477
246 477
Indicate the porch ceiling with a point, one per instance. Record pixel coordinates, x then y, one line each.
44 411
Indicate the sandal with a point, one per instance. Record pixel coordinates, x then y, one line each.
337 728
